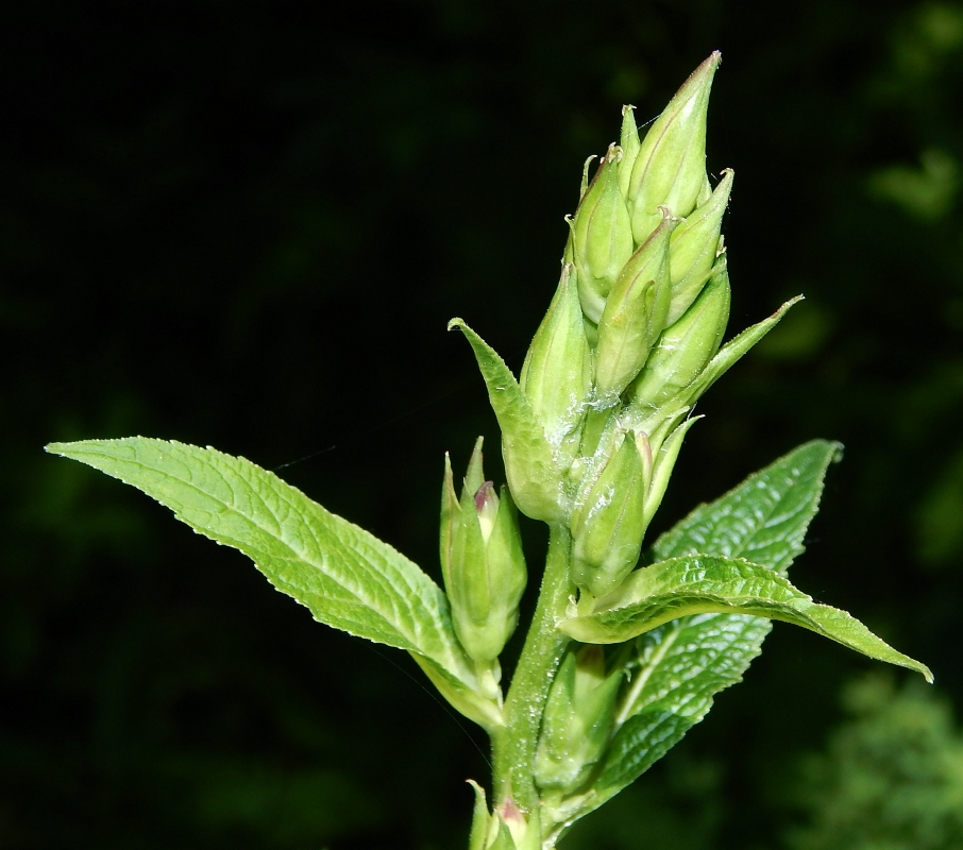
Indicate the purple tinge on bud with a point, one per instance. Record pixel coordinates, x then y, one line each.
486 506
669 169
482 562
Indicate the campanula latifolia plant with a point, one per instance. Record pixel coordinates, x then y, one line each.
630 639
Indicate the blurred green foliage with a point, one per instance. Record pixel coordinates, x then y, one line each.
891 777
246 224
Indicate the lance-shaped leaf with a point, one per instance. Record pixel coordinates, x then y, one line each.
724 359
702 584
764 519
733 351
345 576
680 666
530 466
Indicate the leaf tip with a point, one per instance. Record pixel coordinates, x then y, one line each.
456 323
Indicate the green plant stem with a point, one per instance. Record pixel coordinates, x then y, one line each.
513 748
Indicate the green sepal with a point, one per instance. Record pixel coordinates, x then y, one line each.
534 476
480 820
733 350
503 838
723 360
684 348
609 522
475 474
662 465
634 315
557 374
694 249
630 143
669 169
601 236
482 708
702 584
583 186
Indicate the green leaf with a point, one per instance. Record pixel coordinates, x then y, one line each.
345 576
530 465
679 667
734 350
764 519
702 584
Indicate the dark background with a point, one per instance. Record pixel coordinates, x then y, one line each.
245 224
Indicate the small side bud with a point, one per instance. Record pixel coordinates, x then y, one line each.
670 167
608 524
601 235
482 562
557 373
694 249
578 720
634 315
685 348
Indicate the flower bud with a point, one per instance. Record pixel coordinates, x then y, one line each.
669 169
695 247
557 373
608 522
601 236
482 562
578 720
685 347
634 315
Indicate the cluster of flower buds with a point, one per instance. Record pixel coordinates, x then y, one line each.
592 428
482 562
640 311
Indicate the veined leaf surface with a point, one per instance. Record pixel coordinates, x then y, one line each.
701 584
682 665
346 577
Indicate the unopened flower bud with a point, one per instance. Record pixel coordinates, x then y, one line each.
482 562
609 522
694 249
685 347
601 236
634 315
670 167
557 373
578 720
